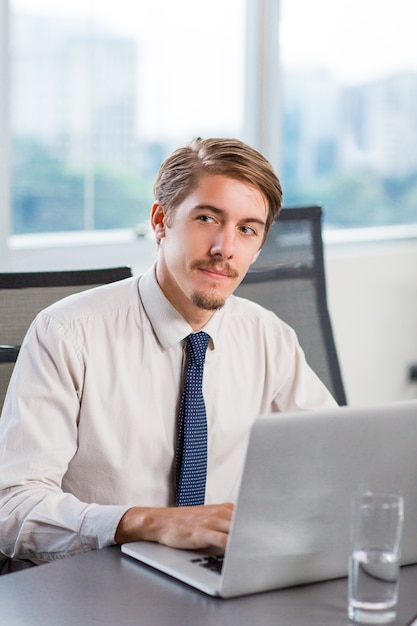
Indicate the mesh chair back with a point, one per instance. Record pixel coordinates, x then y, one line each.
24 294
288 278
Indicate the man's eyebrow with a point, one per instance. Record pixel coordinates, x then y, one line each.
218 211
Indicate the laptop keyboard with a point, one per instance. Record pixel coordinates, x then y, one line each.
213 563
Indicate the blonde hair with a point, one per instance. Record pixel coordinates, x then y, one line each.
181 172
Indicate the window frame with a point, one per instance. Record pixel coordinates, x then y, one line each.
257 12
262 129
5 200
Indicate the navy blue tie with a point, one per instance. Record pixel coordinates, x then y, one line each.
191 455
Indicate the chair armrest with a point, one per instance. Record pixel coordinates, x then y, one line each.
8 354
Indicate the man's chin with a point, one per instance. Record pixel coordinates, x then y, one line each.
208 302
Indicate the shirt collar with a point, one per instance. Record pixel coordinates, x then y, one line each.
168 324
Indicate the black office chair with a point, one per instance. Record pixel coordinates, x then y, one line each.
288 278
24 294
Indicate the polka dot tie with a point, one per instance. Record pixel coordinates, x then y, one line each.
191 455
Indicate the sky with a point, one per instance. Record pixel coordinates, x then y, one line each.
356 40
352 37
182 54
191 52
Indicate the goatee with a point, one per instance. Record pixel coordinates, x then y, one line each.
207 302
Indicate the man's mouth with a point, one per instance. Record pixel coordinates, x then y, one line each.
224 271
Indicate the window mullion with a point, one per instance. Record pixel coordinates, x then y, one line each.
5 210
262 98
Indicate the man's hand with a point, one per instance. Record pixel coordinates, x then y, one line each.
189 527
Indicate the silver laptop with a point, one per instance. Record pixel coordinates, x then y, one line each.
291 521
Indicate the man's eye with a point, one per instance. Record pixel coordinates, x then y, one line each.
247 230
206 218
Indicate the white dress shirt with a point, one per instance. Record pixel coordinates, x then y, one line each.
88 427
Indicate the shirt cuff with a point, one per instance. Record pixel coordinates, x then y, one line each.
100 524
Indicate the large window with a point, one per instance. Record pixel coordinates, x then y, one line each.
349 108
102 91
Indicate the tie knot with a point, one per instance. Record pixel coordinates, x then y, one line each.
197 346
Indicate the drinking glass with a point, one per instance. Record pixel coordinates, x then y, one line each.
374 563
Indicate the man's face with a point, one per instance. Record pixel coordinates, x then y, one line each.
208 243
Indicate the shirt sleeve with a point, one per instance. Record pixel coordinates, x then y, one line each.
38 438
299 388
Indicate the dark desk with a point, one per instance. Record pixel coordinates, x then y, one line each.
107 588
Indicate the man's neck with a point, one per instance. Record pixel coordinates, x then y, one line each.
195 316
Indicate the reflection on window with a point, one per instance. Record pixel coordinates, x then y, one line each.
349 110
101 92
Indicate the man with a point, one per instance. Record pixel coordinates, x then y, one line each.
89 428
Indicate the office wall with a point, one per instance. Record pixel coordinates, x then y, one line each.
371 287
372 296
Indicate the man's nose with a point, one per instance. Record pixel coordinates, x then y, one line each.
224 243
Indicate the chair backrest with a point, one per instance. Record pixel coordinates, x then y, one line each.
288 278
24 294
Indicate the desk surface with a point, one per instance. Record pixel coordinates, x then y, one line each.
105 587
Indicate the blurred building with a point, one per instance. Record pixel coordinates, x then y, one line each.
74 90
328 127
380 126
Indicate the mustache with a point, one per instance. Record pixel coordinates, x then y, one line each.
224 268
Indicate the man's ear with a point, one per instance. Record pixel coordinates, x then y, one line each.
157 220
